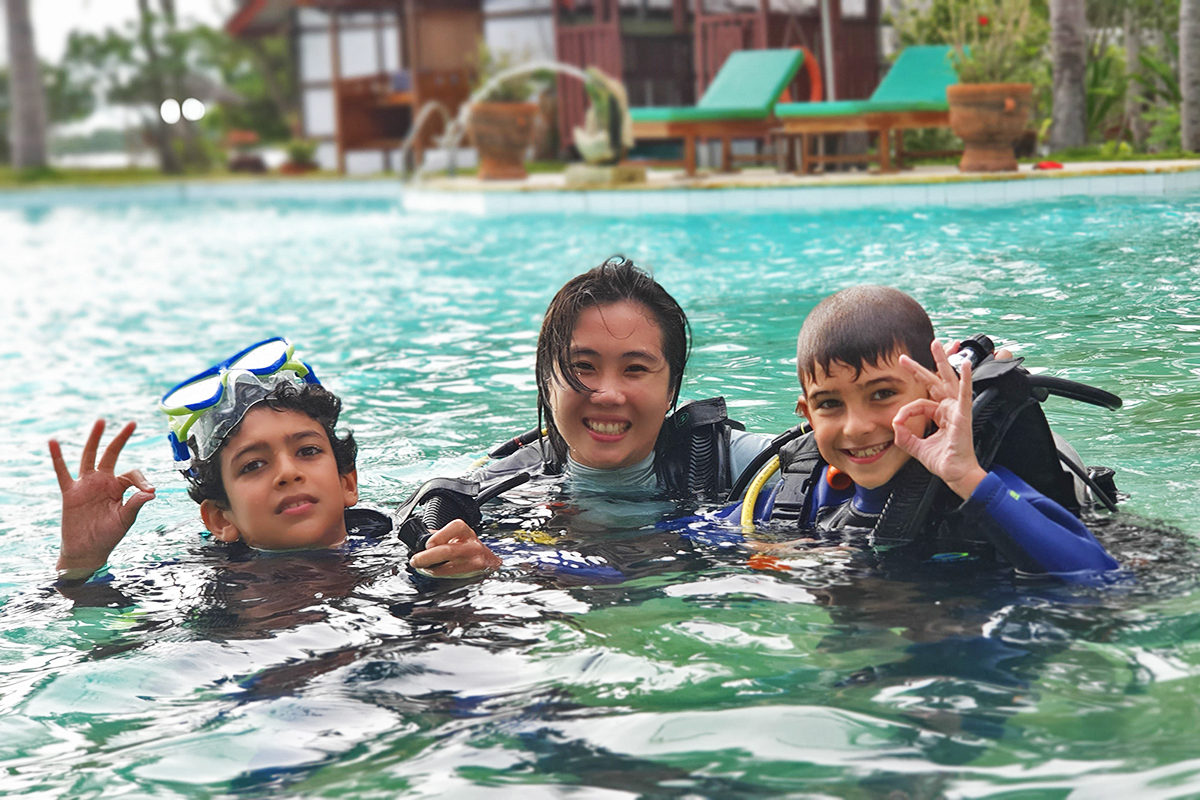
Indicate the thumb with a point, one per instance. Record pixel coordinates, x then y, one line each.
133 505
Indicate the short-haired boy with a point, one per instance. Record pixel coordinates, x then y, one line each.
254 436
888 411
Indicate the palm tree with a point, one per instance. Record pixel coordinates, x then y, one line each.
1068 53
1189 72
27 129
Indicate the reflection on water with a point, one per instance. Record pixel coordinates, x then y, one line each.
695 671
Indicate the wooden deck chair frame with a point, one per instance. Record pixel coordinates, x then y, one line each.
724 127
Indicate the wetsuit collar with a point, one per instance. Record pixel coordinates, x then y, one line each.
637 477
871 501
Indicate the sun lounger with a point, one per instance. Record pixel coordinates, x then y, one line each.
737 105
912 95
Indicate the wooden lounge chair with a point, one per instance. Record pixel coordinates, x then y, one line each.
911 95
737 105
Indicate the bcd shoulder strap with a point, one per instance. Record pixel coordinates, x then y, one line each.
692 454
800 465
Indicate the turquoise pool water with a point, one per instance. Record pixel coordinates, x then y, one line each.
334 677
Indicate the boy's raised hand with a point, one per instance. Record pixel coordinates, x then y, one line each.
948 452
94 518
454 551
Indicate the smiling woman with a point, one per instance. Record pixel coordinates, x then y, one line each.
610 364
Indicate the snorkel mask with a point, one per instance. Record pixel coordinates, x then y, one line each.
202 410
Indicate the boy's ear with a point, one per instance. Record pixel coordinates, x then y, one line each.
218 522
350 487
803 409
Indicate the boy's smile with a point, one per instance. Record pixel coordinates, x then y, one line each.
282 480
851 416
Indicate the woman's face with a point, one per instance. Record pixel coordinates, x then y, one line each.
617 352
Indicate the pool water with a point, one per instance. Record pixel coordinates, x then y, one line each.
333 675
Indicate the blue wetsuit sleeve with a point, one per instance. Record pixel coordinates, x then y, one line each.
1032 531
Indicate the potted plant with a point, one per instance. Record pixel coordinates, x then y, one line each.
300 159
992 103
501 123
243 144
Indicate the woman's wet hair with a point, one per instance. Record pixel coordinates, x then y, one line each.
314 401
614 281
861 326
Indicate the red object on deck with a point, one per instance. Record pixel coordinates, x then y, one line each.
1047 165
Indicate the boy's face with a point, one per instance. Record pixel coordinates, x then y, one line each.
852 417
282 480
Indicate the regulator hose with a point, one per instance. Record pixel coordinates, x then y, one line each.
752 492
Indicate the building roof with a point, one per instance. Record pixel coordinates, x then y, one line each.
258 18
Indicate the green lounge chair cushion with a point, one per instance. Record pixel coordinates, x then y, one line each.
746 87
916 82
920 75
691 114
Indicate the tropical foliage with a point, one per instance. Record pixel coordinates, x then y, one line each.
244 86
66 101
1133 61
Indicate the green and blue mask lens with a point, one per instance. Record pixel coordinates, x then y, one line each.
202 410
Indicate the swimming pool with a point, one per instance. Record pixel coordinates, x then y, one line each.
710 679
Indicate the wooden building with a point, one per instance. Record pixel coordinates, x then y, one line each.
366 67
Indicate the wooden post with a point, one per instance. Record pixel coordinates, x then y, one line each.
679 15
885 150
689 154
335 74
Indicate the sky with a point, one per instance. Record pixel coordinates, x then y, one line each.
53 20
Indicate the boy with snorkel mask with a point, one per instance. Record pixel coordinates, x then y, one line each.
254 437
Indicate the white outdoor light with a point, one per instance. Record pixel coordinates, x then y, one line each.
193 109
169 111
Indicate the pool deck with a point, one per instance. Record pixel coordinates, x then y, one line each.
763 189
665 192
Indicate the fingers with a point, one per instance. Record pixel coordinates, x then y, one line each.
88 462
60 467
135 478
108 461
459 559
904 438
964 390
919 372
944 370
133 505
455 530
454 551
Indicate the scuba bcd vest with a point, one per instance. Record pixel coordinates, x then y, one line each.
1010 429
691 456
438 502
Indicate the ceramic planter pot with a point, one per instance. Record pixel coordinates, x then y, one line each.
502 132
989 118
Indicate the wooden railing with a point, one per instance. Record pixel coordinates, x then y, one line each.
719 35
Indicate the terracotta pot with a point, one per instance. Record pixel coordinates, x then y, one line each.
295 168
502 132
989 118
